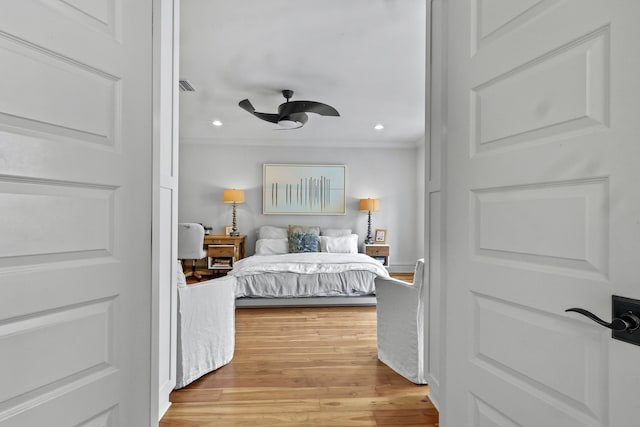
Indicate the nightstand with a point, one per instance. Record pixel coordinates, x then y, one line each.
220 239
379 252
222 252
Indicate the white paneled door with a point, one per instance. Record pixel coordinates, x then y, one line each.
543 211
75 203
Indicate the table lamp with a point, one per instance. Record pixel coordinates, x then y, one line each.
369 205
233 196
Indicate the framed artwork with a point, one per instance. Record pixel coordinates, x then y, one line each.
380 235
293 189
227 230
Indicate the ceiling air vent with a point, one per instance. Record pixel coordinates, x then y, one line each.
185 86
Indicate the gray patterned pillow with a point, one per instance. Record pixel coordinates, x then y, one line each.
303 238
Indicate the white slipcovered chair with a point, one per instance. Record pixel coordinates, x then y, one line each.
191 245
401 324
206 327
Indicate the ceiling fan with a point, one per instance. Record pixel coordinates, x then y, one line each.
291 114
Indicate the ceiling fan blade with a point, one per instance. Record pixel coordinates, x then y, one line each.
273 118
246 105
292 107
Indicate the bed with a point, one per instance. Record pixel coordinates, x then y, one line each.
291 268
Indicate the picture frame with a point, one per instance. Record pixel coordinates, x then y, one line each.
380 236
304 189
227 230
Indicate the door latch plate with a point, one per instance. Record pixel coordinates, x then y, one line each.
619 306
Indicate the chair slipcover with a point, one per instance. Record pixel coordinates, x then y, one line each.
206 327
401 324
190 241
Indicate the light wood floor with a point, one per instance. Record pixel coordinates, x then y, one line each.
303 367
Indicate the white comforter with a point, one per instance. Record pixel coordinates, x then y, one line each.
306 275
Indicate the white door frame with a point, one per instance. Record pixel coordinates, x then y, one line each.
166 39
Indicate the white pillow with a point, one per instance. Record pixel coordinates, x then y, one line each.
336 232
339 245
269 232
272 246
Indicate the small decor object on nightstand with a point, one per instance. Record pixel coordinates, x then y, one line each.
233 196
227 230
369 205
381 235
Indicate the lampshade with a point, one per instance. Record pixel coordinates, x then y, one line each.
371 205
233 195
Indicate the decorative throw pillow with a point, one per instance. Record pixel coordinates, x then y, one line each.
303 242
303 238
313 229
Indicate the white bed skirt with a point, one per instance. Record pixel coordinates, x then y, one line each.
295 285
342 301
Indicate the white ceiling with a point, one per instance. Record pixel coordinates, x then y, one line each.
366 58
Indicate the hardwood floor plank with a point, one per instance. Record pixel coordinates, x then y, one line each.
313 366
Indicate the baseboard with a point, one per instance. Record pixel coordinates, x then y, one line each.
433 401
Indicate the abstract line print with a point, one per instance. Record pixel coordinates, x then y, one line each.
304 189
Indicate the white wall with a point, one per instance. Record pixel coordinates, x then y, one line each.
387 174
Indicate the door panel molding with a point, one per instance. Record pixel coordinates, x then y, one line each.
92 117
561 93
553 226
493 19
516 342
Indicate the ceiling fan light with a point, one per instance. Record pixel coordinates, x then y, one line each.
289 124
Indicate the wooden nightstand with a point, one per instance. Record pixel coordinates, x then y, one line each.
379 252
222 252
220 239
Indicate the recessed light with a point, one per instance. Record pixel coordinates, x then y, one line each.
216 123
378 127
